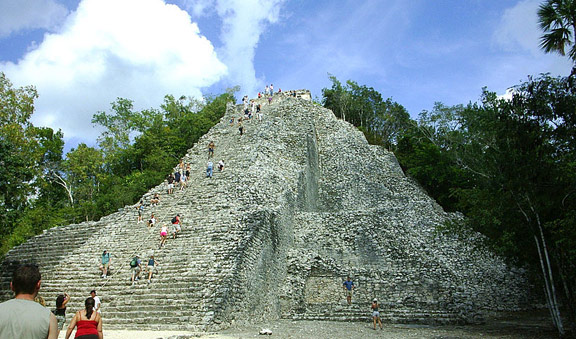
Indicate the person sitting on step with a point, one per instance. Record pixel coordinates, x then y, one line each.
155 200
151 221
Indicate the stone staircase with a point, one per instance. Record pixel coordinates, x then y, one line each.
302 202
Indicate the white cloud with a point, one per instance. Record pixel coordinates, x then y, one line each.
16 15
199 7
136 49
244 22
519 28
518 54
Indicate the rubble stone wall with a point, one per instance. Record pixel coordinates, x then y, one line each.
303 202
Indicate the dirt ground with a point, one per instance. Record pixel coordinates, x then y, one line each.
512 326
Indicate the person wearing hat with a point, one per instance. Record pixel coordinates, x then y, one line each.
376 313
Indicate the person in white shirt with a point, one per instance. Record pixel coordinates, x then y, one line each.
96 301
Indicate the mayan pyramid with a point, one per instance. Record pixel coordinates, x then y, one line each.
303 202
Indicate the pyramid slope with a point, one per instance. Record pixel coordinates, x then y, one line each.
303 202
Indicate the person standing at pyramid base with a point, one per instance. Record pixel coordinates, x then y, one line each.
22 317
348 286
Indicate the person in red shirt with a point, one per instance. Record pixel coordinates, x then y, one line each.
88 323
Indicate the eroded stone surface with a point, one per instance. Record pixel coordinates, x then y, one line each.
303 202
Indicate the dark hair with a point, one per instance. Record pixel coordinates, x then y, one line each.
60 300
89 305
93 291
25 278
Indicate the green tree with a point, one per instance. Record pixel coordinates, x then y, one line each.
27 156
382 122
557 19
518 156
17 145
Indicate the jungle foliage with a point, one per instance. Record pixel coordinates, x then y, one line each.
40 187
507 164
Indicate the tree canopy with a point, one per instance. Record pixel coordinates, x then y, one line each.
507 164
40 187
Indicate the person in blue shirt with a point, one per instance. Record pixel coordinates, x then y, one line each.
105 266
348 286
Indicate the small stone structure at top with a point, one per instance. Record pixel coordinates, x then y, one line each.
303 202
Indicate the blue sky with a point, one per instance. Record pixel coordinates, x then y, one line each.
81 55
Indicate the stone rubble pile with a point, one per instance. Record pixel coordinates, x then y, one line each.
303 202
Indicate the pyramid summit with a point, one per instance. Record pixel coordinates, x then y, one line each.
303 202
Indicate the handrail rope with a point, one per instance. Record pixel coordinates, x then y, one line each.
138 249
150 234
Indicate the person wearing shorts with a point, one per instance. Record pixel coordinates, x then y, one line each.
135 270
376 313
348 286
211 149
176 228
170 183
140 211
105 266
60 311
150 267
163 235
151 221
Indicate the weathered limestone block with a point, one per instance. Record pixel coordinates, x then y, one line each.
303 202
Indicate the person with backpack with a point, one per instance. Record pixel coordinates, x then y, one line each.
176 226
150 268
135 268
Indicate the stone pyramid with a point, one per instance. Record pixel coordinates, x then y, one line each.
303 202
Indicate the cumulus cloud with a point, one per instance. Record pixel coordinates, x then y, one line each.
518 34
135 49
518 27
17 15
243 23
